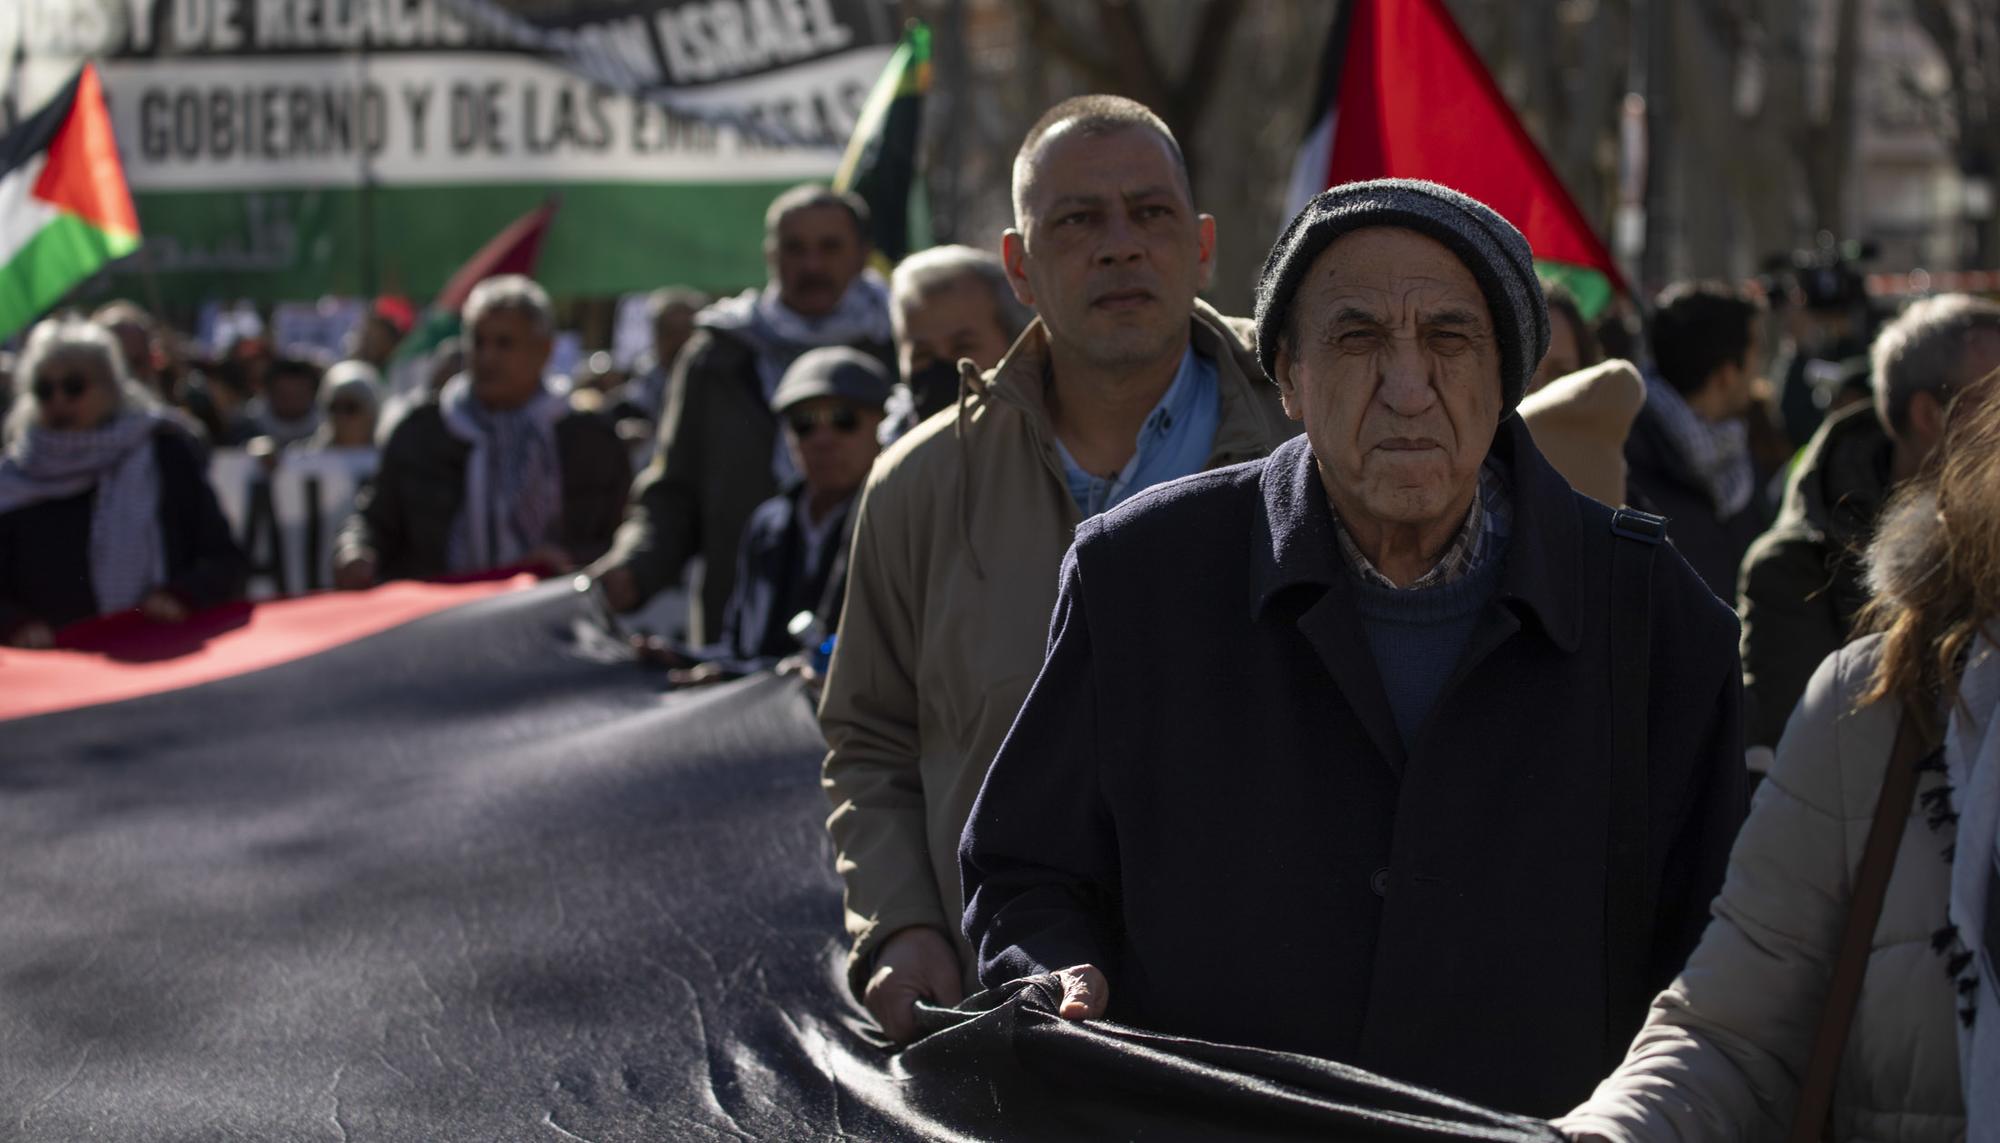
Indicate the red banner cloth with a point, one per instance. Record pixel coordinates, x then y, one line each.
125 656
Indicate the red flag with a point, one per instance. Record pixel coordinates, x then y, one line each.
1411 99
514 250
84 174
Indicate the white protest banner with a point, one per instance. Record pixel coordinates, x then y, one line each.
289 149
286 515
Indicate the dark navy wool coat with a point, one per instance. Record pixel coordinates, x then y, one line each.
1205 794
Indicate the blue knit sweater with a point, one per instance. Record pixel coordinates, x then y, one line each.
1418 635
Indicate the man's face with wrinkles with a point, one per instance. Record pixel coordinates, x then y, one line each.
1395 372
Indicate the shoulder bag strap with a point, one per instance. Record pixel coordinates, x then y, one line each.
1628 888
1864 910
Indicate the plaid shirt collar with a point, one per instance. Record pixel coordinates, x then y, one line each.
1485 529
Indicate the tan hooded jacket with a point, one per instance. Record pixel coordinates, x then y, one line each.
957 543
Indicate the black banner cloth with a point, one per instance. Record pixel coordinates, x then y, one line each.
477 878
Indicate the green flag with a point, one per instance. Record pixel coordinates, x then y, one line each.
880 164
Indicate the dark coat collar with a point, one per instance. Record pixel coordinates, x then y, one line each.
1296 545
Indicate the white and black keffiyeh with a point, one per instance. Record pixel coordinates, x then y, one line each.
127 554
779 335
513 479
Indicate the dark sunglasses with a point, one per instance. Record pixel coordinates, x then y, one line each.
73 385
347 408
840 420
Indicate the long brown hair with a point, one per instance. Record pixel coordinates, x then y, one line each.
1934 565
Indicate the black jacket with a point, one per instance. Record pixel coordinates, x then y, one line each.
1661 481
1803 584
405 514
45 547
773 584
1206 796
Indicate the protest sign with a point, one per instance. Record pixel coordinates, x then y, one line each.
286 515
293 148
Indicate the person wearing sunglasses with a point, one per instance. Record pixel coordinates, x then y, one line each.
791 568
350 399
104 505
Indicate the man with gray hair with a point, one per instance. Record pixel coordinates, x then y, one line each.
670 314
1802 584
948 304
497 471
720 452
1393 748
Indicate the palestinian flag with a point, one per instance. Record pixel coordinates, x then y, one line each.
64 209
517 249
880 163
1403 95
445 862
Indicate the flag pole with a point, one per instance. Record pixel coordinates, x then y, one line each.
365 204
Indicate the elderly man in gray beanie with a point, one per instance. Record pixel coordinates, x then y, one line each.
1391 748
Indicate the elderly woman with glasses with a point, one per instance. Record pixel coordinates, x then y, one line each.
104 506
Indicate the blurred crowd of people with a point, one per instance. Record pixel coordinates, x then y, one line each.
1405 653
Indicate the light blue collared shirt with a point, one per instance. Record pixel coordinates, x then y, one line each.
1175 440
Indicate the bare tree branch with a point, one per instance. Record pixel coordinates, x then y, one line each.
1191 95
1935 18
1969 46
1141 74
1047 34
1128 64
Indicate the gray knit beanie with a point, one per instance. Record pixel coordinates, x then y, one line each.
1488 244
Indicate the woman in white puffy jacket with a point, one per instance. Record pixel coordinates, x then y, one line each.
1722 1054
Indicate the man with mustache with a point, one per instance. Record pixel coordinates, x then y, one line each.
1123 380
1391 749
720 453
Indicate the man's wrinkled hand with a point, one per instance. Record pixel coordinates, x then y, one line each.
1085 992
917 963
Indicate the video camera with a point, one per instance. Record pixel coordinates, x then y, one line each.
1827 277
